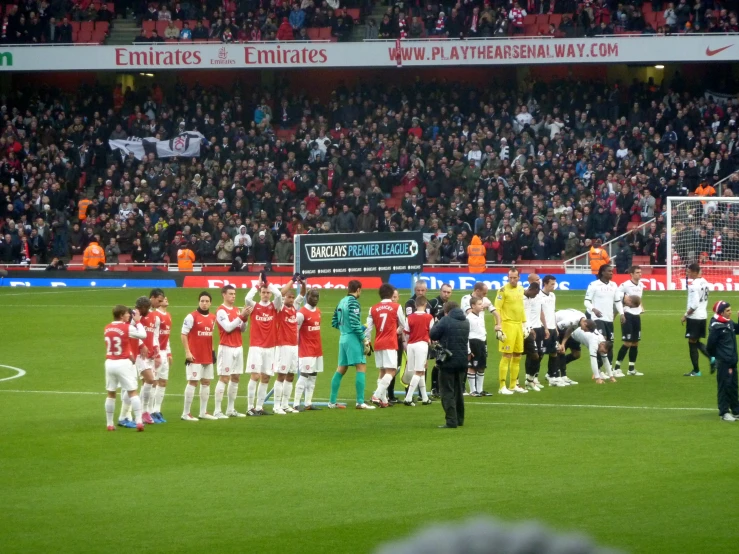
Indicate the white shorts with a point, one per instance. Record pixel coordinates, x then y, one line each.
195 372
286 359
386 359
260 360
120 373
162 372
416 356
311 365
143 364
230 360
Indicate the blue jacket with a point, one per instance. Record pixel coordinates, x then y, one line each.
297 19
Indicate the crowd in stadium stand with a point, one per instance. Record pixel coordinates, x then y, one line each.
66 21
536 173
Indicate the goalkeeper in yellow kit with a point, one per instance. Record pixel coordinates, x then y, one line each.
509 303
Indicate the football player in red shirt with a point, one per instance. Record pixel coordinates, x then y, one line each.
262 341
286 351
197 341
310 350
388 320
165 360
417 328
119 370
231 324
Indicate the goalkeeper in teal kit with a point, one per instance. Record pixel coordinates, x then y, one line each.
353 347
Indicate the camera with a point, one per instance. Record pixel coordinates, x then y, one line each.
441 354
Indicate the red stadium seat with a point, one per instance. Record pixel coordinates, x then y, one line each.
98 37
325 33
314 33
555 19
87 26
124 259
111 6
84 37
529 20
75 26
103 26
354 13
149 26
542 19
161 26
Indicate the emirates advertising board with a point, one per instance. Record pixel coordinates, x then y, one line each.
405 53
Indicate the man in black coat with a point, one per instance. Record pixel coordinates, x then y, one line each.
452 332
722 345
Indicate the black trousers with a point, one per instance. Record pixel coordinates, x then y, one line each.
451 388
728 389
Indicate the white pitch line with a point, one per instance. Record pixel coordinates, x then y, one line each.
467 404
19 372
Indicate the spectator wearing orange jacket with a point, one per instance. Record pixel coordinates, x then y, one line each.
93 256
598 257
476 255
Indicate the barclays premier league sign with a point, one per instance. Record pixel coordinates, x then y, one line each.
357 253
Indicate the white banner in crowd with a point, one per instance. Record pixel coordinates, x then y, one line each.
410 53
186 145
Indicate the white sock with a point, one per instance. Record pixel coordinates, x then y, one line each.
412 388
277 394
382 386
220 390
125 405
261 395
287 390
136 407
480 381
145 397
159 398
472 379
109 410
309 388
233 390
422 389
299 388
204 396
251 392
189 395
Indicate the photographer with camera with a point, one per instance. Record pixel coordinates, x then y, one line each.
452 333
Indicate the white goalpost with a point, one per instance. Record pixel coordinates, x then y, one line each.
703 230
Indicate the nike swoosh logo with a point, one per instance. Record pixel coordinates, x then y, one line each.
710 52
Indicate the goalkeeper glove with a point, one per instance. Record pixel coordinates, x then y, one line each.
500 335
368 347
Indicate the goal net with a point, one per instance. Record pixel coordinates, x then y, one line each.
704 231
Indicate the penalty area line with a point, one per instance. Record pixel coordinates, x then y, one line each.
467 404
18 372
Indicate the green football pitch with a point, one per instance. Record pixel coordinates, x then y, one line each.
643 465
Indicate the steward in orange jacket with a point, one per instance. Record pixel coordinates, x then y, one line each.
476 255
93 256
598 257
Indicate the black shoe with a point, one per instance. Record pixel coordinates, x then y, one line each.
428 402
253 413
447 427
393 400
486 393
475 395
408 403
312 408
262 412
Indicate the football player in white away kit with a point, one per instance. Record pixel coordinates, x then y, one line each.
119 371
262 342
533 343
567 321
695 317
310 350
549 307
286 351
598 348
477 348
631 322
231 323
600 298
